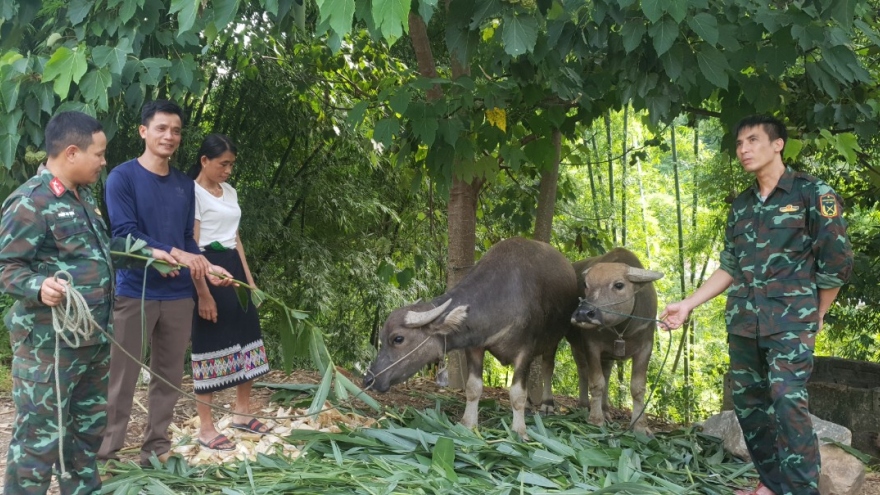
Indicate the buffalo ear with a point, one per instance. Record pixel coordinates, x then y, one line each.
453 321
640 275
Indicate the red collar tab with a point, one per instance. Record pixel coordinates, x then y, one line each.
57 187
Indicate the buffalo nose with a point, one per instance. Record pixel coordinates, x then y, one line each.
368 379
586 312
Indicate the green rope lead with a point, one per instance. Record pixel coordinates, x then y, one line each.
72 323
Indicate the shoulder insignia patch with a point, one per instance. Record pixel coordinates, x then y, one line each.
789 209
828 206
57 187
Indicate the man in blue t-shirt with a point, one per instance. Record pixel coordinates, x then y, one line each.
155 202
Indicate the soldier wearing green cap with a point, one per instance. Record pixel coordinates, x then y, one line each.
786 255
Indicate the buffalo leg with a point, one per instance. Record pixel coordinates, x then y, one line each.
580 360
637 387
607 364
519 395
474 386
548 363
598 387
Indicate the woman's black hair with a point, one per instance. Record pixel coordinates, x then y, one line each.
212 146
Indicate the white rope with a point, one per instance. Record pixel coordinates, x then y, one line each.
72 323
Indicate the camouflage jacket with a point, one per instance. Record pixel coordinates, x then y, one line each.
45 228
780 252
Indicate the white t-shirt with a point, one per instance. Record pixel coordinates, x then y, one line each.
218 217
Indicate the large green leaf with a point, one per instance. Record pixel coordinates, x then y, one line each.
9 91
843 11
386 130
65 66
187 11
183 71
338 13
663 34
653 9
819 74
868 31
519 33
95 85
390 17
153 70
777 58
677 9
127 10
426 9
423 120
443 459
224 12
632 33
706 27
78 10
673 61
113 57
484 10
845 65
9 142
713 65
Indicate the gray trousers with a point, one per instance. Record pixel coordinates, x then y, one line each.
167 333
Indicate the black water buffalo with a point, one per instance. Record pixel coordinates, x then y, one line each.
515 303
614 321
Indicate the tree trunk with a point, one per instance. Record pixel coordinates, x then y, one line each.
682 346
543 231
610 159
623 167
462 230
462 214
547 194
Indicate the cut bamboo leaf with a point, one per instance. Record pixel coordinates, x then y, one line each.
357 392
322 393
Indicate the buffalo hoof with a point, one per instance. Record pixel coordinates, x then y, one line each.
547 407
596 419
644 430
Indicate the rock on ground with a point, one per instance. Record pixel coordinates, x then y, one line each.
842 474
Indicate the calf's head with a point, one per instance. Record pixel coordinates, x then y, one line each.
610 294
412 337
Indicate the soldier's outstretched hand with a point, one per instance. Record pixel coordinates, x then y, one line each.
674 316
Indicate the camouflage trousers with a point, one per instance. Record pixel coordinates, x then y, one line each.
770 398
33 449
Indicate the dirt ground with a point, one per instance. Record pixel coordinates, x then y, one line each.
418 393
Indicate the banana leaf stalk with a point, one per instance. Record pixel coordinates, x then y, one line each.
301 333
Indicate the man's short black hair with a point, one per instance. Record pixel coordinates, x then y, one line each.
153 107
774 128
70 128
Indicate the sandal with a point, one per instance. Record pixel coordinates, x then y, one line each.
253 426
220 442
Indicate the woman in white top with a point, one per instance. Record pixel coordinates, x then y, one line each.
227 345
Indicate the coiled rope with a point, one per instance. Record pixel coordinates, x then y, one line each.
73 323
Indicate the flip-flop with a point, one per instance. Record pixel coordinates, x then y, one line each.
253 426
220 442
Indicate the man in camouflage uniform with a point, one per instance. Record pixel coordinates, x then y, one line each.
52 223
786 255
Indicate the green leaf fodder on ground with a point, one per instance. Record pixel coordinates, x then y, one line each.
426 452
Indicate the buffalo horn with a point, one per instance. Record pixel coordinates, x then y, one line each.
640 275
420 319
